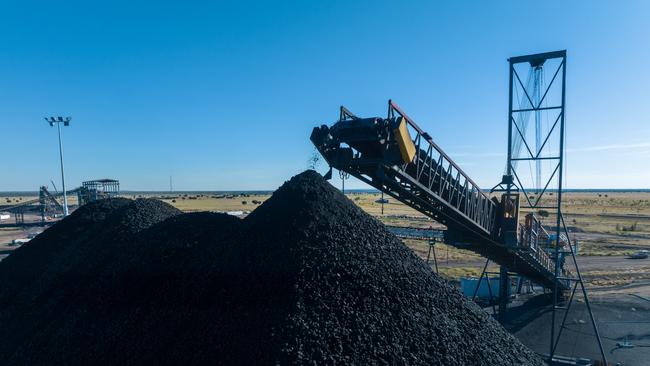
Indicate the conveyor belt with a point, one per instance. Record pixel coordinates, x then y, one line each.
415 171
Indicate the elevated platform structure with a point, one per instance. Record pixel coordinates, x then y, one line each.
48 204
93 190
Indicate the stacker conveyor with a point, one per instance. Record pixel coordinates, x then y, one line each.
396 156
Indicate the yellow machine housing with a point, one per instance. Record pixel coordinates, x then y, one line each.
403 138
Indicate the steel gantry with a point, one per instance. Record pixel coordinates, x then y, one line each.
397 157
543 190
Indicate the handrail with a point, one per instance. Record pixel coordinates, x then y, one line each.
478 207
430 140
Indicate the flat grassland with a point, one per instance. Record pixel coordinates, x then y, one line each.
604 223
607 225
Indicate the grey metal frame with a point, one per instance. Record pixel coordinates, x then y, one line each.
511 185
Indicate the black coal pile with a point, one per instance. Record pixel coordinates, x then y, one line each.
360 296
307 278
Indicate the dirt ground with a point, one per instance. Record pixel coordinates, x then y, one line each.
619 318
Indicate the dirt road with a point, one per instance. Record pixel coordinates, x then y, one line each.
586 263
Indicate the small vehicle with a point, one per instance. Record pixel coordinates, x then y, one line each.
625 344
641 254
20 241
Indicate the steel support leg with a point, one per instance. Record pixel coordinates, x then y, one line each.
480 279
504 285
432 249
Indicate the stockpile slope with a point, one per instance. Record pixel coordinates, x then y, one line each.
360 296
49 250
47 283
307 278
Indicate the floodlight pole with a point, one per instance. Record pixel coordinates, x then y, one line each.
66 122
65 195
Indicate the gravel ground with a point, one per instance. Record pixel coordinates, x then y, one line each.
307 278
619 318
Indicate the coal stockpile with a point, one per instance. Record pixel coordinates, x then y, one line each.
51 293
31 263
360 295
307 278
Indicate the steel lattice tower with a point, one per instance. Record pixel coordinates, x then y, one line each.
549 147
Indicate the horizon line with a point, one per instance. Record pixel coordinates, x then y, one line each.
360 190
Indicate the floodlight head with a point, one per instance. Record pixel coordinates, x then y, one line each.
53 120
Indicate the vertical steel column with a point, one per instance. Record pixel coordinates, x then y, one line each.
343 175
42 202
65 194
558 213
504 286
509 166
66 122
503 271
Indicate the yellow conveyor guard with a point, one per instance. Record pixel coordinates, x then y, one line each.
406 146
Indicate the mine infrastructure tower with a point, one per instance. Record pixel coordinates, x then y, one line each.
93 190
397 157
48 204
542 148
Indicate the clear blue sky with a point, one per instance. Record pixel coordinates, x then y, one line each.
223 95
